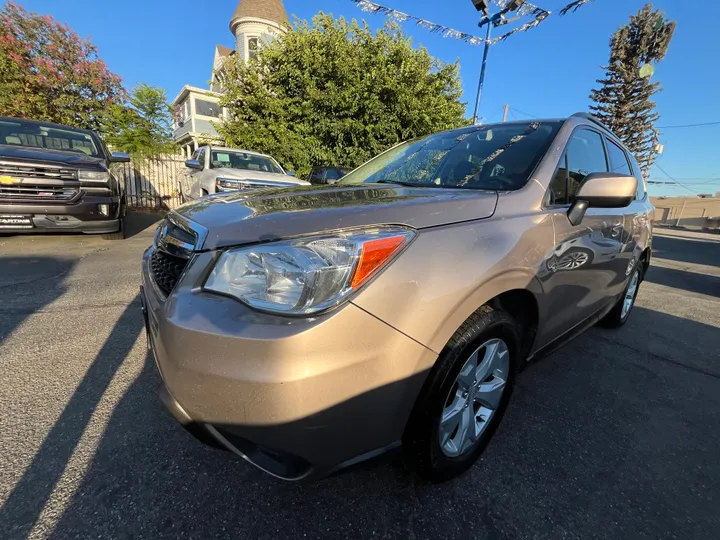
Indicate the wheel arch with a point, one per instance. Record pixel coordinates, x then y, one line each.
516 292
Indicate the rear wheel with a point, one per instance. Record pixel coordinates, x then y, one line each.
620 313
465 396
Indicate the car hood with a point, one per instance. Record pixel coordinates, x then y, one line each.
270 214
49 157
226 172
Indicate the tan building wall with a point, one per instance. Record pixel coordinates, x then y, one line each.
687 212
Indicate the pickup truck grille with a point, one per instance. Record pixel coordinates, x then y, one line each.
24 191
39 172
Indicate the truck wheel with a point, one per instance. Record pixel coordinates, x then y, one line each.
119 235
464 397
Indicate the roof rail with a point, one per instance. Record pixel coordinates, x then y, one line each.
592 118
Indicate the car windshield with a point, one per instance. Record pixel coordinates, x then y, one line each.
33 135
244 161
497 157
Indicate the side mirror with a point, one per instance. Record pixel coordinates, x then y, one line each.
602 190
119 157
193 164
290 173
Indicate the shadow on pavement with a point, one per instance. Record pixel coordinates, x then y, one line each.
27 285
687 250
604 436
33 489
686 281
137 222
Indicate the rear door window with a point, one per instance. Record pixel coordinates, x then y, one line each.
618 159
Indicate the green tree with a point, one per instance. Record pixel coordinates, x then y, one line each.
47 72
142 128
332 92
623 100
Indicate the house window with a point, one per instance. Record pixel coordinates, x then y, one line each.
208 108
252 48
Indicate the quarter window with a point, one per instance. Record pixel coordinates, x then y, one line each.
201 156
584 155
640 194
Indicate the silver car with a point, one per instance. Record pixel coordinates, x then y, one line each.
213 169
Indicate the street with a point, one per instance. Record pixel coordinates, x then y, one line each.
616 435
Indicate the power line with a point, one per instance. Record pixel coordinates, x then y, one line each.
526 114
697 180
676 182
689 125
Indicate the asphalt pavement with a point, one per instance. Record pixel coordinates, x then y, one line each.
616 435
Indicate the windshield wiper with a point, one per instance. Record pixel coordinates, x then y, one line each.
401 183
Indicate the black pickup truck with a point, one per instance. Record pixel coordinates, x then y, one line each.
58 178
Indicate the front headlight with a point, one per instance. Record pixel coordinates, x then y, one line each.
307 275
92 176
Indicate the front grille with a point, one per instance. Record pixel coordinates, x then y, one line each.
166 270
174 246
23 191
37 172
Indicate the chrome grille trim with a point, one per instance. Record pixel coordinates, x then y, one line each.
176 240
53 193
37 172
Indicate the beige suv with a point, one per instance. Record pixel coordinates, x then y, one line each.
310 328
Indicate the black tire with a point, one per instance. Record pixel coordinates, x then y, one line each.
119 234
421 444
616 319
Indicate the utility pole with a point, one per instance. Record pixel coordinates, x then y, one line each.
482 73
495 20
505 111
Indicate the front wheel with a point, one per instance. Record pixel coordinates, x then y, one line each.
465 396
119 234
620 313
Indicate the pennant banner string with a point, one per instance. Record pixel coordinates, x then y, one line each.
526 9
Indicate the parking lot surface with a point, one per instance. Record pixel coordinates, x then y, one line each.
616 435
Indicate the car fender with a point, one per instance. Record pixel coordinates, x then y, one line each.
511 280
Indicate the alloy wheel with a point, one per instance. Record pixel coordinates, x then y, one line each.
629 299
474 397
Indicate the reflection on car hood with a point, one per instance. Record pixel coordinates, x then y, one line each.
241 174
269 214
47 156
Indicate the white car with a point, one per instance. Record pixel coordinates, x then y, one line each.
213 169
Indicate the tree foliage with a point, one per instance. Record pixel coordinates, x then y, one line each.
623 100
47 72
142 128
332 92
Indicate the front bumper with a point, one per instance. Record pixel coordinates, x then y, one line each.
84 215
295 397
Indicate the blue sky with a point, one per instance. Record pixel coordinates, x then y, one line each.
546 72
